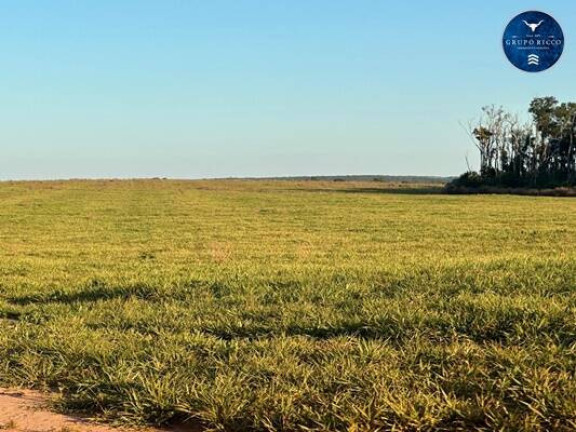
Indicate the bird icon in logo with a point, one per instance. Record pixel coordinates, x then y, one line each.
533 27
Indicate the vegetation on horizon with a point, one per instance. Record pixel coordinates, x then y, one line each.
537 154
285 306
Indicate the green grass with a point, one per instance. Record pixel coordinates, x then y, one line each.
284 306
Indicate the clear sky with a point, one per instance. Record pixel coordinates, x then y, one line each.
213 88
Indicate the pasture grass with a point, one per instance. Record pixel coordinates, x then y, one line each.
285 306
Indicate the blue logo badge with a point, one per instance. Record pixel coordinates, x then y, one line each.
533 41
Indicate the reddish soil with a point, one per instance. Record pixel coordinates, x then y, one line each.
27 411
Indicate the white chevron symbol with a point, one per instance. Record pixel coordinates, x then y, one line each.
533 59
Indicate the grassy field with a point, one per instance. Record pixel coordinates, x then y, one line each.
284 306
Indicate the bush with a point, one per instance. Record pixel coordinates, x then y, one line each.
469 179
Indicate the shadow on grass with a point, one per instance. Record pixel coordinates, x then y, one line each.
351 329
99 291
91 294
432 190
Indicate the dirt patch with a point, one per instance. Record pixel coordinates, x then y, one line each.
27 411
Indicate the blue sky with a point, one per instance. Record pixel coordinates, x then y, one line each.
218 88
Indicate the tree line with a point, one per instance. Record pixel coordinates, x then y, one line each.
540 153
